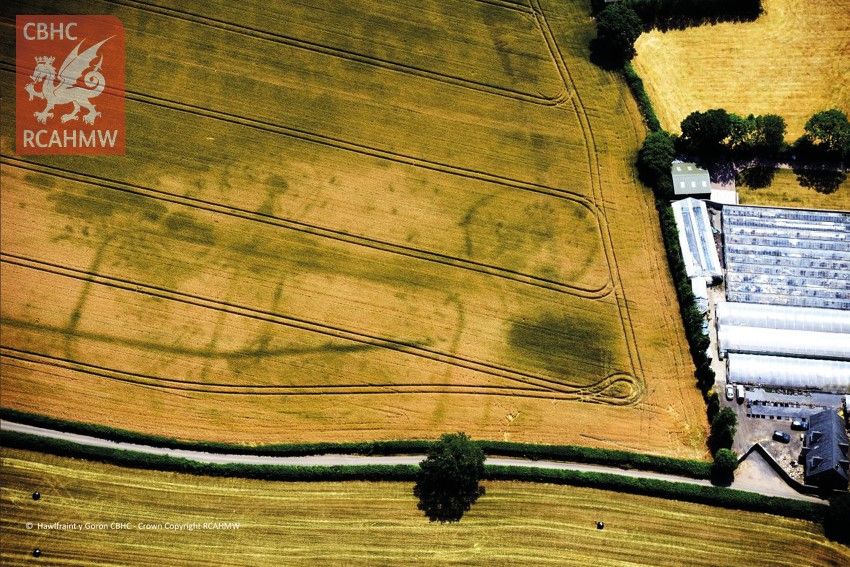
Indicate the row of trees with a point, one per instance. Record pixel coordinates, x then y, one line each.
668 14
716 131
716 135
619 24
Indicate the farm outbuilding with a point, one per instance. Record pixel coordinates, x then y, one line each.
688 179
825 449
696 239
790 373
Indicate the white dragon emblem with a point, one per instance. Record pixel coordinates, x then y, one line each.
66 91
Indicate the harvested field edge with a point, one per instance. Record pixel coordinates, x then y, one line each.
572 453
713 496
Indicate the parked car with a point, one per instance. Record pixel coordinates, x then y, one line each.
730 392
800 424
781 436
740 393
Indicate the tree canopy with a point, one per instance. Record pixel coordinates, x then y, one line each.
830 131
617 28
448 481
836 522
704 132
723 469
654 160
723 428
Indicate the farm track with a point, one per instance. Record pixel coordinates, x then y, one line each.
312 229
316 47
596 182
422 351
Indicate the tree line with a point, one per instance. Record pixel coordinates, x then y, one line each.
818 157
619 24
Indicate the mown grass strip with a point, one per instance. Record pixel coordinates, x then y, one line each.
572 453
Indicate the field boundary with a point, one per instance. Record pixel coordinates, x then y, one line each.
689 492
572 453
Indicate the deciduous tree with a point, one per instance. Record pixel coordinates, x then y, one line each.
448 481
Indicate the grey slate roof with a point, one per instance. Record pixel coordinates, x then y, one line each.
827 444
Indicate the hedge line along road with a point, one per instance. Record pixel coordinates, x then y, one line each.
339 459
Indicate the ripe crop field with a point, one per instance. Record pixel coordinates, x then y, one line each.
357 221
786 191
791 61
364 523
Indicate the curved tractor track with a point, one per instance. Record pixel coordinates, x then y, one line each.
596 391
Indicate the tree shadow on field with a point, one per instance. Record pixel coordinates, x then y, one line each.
757 176
825 181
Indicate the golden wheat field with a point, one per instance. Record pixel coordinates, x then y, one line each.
357 221
792 61
361 523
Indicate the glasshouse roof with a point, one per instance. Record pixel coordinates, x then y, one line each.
784 372
761 340
783 317
787 256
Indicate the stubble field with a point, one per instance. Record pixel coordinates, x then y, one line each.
338 226
791 61
362 523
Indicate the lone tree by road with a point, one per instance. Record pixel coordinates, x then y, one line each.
723 469
447 483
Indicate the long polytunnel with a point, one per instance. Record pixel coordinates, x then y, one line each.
782 317
784 372
759 340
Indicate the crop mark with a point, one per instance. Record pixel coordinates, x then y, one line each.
346 54
406 347
596 183
314 230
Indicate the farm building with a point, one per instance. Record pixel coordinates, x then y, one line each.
688 179
783 331
787 256
782 317
825 449
790 373
696 239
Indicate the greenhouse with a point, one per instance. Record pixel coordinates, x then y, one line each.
787 342
787 256
696 239
793 373
782 317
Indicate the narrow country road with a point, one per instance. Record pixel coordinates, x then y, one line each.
339 459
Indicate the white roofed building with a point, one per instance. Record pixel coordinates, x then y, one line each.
696 239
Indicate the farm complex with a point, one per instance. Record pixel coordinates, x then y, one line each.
261 266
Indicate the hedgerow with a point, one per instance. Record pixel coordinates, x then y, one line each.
710 495
625 459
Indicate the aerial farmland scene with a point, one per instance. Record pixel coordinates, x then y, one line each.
446 282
